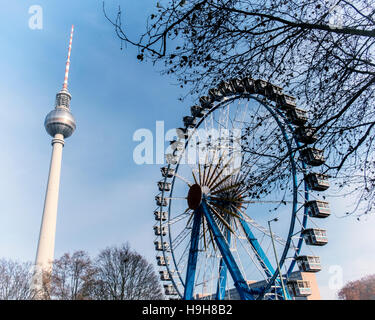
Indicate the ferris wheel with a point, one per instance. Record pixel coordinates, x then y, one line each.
245 157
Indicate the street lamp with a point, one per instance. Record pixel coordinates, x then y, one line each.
277 260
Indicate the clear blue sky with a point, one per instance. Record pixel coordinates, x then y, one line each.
105 198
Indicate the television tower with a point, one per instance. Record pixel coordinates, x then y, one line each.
59 124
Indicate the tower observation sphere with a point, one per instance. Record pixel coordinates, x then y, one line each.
60 120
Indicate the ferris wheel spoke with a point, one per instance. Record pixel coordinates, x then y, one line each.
175 198
180 238
200 173
211 182
221 181
178 218
232 121
218 215
209 174
269 201
261 228
194 177
209 169
183 179
183 258
189 221
230 187
229 212
216 166
202 181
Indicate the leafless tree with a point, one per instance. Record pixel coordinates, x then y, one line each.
72 277
321 51
15 279
363 289
123 274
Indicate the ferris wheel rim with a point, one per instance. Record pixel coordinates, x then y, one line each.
295 186
212 109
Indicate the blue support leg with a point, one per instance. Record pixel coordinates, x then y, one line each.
261 256
234 271
221 284
193 257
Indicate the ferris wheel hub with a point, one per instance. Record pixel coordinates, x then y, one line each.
194 198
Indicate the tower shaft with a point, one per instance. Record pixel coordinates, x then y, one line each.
46 244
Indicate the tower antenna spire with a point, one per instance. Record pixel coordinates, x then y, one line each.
65 85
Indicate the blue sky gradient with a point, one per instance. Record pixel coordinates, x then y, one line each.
105 198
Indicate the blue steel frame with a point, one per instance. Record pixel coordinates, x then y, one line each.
221 283
261 256
239 281
193 256
227 261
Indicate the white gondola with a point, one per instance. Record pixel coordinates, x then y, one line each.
237 85
164 275
161 261
189 122
315 237
168 173
318 208
287 102
261 86
317 181
249 85
176 145
160 201
182 133
226 88
164 186
312 156
198 111
169 290
299 288
161 247
297 116
160 215
160 231
274 92
306 135
215 94
205 101
171 159
309 263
